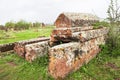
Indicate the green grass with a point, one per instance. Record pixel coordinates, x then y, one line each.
13 67
26 34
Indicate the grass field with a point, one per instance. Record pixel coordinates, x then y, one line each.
26 34
105 66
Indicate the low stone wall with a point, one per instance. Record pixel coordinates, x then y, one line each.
36 50
20 46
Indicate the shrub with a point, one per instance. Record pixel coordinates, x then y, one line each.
36 25
113 41
22 25
114 36
10 25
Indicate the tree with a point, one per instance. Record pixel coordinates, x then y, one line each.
113 11
20 25
10 24
113 39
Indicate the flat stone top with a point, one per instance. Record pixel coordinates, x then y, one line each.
39 43
79 27
30 40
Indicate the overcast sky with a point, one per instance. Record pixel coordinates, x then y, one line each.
48 10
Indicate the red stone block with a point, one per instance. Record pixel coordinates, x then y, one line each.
36 50
79 36
66 58
20 46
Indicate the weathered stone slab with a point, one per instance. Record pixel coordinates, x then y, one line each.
90 34
80 36
67 31
36 50
20 46
69 57
60 31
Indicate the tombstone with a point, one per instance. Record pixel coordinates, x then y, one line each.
75 20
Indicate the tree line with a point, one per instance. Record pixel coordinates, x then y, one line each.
20 25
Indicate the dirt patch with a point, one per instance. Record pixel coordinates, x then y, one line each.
113 66
11 63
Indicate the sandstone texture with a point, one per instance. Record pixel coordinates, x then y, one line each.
36 50
68 57
20 46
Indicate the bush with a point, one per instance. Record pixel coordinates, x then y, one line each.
36 25
22 25
114 36
113 41
112 46
10 25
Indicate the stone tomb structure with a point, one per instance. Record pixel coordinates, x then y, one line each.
73 43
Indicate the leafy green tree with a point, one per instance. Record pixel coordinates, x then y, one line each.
114 11
113 40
